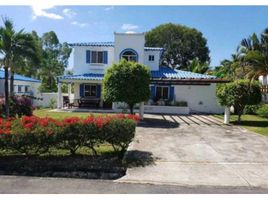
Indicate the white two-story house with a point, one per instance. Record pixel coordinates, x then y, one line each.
168 87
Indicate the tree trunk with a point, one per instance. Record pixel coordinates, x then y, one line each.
6 93
239 118
131 106
12 83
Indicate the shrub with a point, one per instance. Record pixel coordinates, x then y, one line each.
5 127
251 109
21 105
263 111
239 94
52 103
71 136
33 135
119 133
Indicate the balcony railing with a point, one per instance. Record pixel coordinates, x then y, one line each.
264 89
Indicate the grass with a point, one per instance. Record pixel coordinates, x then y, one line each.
59 115
253 123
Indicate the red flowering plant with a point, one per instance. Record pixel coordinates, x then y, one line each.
93 126
71 136
32 135
5 127
120 131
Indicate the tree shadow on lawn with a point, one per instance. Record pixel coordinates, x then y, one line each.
158 123
252 123
107 166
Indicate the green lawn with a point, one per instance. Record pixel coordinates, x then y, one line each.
59 115
251 122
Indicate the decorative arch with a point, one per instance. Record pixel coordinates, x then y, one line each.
129 54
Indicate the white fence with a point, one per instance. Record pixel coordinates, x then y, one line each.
49 98
121 107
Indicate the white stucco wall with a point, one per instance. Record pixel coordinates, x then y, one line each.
47 97
79 60
154 65
199 98
33 87
263 79
133 41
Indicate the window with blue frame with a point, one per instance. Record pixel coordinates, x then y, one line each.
97 57
90 90
19 88
162 92
151 57
130 56
26 88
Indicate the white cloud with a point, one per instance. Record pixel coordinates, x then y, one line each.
41 11
130 32
109 8
69 13
81 25
129 27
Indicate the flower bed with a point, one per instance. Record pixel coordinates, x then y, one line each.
31 135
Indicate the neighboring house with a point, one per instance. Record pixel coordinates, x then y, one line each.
90 60
22 85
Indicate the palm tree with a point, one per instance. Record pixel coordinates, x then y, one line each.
196 66
14 47
254 52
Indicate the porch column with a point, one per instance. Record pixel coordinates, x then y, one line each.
226 115
69 90
59 102
141 111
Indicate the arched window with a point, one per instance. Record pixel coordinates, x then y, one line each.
129 55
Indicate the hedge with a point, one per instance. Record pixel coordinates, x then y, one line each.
263 111
31 135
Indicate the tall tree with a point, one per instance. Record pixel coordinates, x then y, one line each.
54 61
181 43
14 46
196 66
254 51
127 82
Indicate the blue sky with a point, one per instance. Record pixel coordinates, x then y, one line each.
223 26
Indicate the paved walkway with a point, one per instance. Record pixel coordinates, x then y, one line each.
197 150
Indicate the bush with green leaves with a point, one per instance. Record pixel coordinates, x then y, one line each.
239 94
252 109
127 82
20 105
71 136
33 135
263 111
119 133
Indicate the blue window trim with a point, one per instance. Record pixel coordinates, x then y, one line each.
163 86
129 49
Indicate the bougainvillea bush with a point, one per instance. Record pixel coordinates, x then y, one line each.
19 106
31 135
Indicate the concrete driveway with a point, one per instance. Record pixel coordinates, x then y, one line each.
197 150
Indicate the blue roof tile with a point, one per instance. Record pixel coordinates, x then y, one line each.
88 76
162 73
166 72
19 77
109 44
